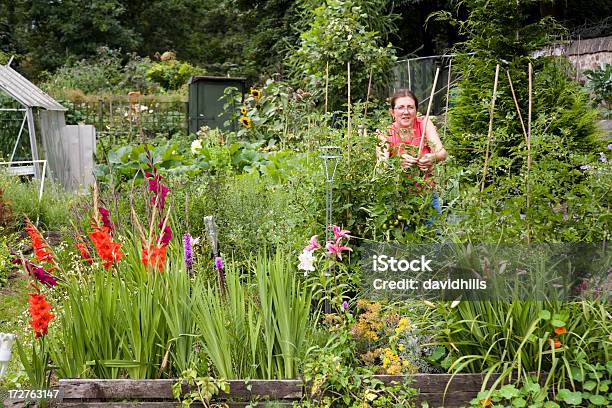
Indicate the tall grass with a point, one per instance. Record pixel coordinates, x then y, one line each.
146 324
53 211
516 338
256 327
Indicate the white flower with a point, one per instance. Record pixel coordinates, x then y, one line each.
306 262
196 146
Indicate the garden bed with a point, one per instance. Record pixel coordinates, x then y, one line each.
436 389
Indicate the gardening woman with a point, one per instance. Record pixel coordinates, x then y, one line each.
403 138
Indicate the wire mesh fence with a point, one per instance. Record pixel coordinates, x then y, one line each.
124 120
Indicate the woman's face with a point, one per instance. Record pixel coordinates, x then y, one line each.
404 112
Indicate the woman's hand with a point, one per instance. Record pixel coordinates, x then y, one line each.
425 163
409 161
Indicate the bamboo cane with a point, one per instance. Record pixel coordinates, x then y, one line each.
348 131
326 84
528 187
490 132
365 112
433 90
518 109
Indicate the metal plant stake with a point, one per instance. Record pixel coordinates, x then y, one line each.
331 156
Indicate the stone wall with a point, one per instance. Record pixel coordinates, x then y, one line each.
583 54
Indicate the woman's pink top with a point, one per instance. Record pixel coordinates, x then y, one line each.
398 139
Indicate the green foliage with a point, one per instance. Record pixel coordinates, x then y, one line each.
37 366
340 32
6 242
379 200
600 84
112 72
53 211
172 74
267 334
205 388
95 75
529 393
336 379
536 191
274 113
565 340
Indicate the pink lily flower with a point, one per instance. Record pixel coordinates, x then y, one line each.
313 244
339 232
336 248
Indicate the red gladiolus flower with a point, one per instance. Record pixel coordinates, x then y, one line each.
39 310
107 249
41 250
556 342
560 330
84 251
155 257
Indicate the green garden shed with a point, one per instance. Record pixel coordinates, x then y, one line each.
205 108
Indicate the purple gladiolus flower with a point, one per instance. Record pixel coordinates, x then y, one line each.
219 263
106 218
43 276
345 305
187 246
219 266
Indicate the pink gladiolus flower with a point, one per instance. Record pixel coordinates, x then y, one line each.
336 248
159 189
313 244
339 232
166 235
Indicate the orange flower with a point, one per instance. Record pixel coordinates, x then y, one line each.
41 250
155 257
39 310
556 342
107 249
560 330
486 402
83 250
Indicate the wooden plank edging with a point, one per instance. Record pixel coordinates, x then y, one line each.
158 393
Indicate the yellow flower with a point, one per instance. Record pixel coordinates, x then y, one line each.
402 325
401 347
243 111
256 93
246 122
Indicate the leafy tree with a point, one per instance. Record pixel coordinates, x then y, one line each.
529 191
72 30
340 32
